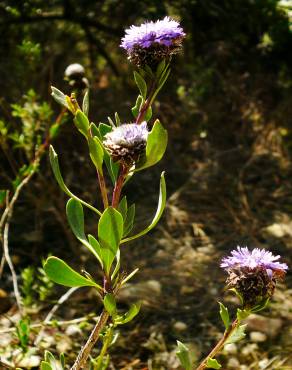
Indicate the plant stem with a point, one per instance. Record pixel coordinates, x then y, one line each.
103 189
147 104
86 349
219 345
102 183
5 223
119 185
104 349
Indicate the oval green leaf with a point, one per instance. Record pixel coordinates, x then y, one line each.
57 173
96 152
75 216
140 82
59 97
183 354
110 304
85 103
59 272
110 229
224 315
155 147
128 316
82 123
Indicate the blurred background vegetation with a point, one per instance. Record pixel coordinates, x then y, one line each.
228 107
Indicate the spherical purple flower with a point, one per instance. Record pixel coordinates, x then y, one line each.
243 257
253 274
151 42
126 142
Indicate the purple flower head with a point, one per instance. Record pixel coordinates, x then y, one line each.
128 134
257 258
126 142
152 42
163 32
253 274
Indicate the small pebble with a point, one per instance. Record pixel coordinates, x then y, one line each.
257 337
73 330
180 326
230 349
233 363
263 363
31 361
249 349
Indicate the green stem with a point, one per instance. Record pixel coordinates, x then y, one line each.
154 88
106 343
219 345
102 183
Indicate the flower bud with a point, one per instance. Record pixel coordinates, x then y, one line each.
75 74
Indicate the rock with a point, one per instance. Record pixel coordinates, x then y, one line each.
270 326
233 363
29 362
180 326
230 349
64 345
249 349
257 337
279 230
263 363
72 330
148 290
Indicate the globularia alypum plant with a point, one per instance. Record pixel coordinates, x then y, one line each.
252 276
120 150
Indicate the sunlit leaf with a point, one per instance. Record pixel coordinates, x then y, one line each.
85 103
212 363
237 334
110 304
113 168
129 315
59 97
155 147
82 123
242 314
56 170
46 366
59 272
224 315
96 247
110 229
140 82
96 152
136 109
183 355
75 215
